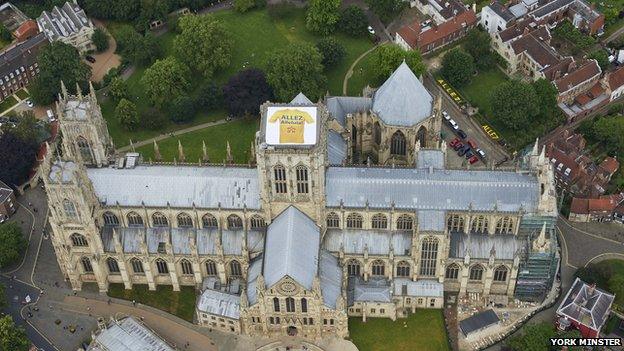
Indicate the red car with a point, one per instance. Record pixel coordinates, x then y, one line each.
472 144
458 146
473 159
454 142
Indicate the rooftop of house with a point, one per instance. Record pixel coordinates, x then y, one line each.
434 33
585 72
501 10
605 203
535 45
616 78
63 21
586 304
22 54
127 334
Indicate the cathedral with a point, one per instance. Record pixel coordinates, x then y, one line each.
348 209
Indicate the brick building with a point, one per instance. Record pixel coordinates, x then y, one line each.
18 65
600 209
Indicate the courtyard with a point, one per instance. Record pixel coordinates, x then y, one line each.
423 330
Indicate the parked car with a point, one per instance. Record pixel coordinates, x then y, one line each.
462 134
90 58
453 124
473 159
469 153
50 115
463 150
472 144
458 146
29 103
446 116
370 30
481 153
454 141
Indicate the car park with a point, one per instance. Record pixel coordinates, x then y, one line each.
481 153
462 134
453 124
473 159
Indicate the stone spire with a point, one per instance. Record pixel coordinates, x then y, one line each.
228 153
131 145
181 152
63 90
541 244
78 91
252 154
157 155
205 152
91 90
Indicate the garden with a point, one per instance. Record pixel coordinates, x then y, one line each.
423 330
179 303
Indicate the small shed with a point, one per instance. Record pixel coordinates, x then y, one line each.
478 322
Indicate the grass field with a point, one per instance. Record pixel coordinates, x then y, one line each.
422 331
179 303
363 75
7 103
240 134
22 94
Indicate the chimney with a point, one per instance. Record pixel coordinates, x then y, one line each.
591 289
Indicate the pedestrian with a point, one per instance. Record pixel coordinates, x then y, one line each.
109 301
134 303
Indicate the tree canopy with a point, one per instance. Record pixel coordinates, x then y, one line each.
100 40
209 96
387 58
136 48
203 44
534 338
332 51
601 57
118 89
127 114
322 16
165 80
246 91
385 9
12 337
296 68
353 21
458 67
182 109
13 244
17 155
515 104
58 61
479 45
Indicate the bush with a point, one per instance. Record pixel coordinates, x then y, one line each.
100 40
127 115
182 109
13 244
332 51
616 109
110 75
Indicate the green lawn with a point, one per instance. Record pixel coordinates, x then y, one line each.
22 94
363 75
240 134
7 103
424 331
179 303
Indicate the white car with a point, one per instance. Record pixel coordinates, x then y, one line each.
481 153
453 124
29 103
447 117
370 30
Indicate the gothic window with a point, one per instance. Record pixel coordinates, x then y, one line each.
476 272
397 144
405 222
480 224
137 266
185 220
421 136
276 304
85 149
134 219
455 223
110 219
504 225
86 265
302 179
379 221
452 271
500 274
187 267
209 221
113 266
353 268
159 220
428 256
279 173
403 269
257 222
211 268
290 304
234 222
235 269
354 221
161 266
304 305
377 133
69 208
78 240
333 221
378 268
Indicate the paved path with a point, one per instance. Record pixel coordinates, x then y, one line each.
169 135
345 82
106 60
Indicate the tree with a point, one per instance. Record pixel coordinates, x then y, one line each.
296 68
5 34
243 6
203 44
13 244
100 40
12 337
385 9
322 16
478 44
135 48
534 338
332 51
165 80
209 96
388 58
153 118
546 97
17 157
601 57
353 21
515 104
182 109
458 67
610 130
118 89
127 114
3 298
246 91
58 61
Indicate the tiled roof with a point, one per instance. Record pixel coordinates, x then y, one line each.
616 78
461 21
587 71
586 304
535 45
605 203
501 10
23 54
63 21
610 165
